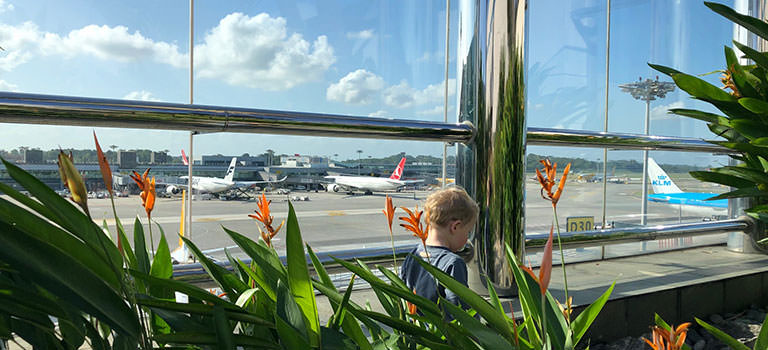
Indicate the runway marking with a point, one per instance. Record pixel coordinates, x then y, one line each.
336 213
654 274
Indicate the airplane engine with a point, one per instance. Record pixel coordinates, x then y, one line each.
334 188
170 189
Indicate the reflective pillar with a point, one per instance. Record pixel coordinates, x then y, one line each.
491 52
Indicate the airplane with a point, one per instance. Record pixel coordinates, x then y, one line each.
369 183
205 184
696 203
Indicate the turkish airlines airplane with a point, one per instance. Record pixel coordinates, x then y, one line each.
370 183
696 203
215 184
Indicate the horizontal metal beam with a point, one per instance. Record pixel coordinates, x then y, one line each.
620 141
584 239
84 111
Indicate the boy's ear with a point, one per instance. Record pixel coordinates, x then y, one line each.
455 225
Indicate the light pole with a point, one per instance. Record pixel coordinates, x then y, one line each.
359 165
647 90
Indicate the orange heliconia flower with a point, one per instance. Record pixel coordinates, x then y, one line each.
547 181
106 172
727 80
147 187
411 306
567 309
669 340
413 224
545 271
262 215
389 212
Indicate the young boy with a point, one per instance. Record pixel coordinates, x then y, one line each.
451 213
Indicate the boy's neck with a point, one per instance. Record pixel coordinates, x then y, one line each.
436 239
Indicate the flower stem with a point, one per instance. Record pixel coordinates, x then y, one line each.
394 258
152 240
562 262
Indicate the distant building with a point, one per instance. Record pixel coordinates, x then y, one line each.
32 156
246 160
126 159
159 158
298 161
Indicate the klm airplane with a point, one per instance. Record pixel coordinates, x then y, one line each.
695 203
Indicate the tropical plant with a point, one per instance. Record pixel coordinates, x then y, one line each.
56 263
744 121
667 337
760 343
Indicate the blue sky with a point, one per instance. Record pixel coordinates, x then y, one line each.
371 58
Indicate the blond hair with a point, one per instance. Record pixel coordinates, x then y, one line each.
448 204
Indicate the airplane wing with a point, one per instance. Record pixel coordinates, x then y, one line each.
247 184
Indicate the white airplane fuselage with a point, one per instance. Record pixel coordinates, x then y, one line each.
367 183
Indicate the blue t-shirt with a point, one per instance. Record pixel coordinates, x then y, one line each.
418 279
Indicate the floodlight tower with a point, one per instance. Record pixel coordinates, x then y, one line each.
647 90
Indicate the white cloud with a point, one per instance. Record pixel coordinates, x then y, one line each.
436 110
25 41
403 95
361 35
661 112
358 87
379 114
141 95
6 86
258 52
5 6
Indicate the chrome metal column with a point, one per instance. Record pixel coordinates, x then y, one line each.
490 58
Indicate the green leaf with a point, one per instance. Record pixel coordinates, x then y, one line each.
185 288
162 267
43 230
28 202
127 252
335 340
581 324
199 338
721 178
745 82
750 128
751 24
223 330
203 309
425 305
290 320
349 324
228 282
701 89
754 105
403 326
67 215
759 58
754 176
298 276
66 278
700 115
338 315
762 339
140 246
664 69
725 338
335 297
481 333
530 297
495 318
740 193
392 277
270 265
256 275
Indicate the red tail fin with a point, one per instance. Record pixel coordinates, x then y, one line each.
184 158
398 173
